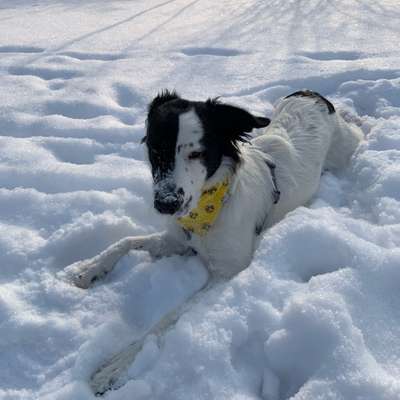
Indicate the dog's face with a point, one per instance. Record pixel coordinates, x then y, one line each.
186 142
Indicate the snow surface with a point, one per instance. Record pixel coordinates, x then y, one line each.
317 314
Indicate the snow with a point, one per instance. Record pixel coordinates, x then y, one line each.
315 316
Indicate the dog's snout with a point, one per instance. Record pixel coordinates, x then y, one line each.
168 203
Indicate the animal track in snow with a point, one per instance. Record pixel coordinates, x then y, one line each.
84 110
332 55
75 109
93 56
125 96
20 49
44 73
211 51
74 151
56 85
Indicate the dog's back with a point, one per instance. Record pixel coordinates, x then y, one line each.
306 136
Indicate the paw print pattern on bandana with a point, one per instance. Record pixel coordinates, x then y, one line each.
210 208
200 219
193 215
210 191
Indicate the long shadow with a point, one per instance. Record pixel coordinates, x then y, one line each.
97 31
106 28
162 24
151 32
391 17
380 10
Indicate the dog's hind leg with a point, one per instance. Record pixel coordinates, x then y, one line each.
108 375
345 140
84 273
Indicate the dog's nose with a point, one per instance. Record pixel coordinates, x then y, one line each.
169 203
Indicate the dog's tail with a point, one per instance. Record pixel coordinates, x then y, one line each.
350 117
345 139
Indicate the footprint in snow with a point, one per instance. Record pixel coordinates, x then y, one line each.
332 55
125 96
44 73
211 51
57 85
85 110
93 56
20 49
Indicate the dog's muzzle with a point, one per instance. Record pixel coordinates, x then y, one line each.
168 201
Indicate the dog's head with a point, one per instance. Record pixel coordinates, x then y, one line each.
186 142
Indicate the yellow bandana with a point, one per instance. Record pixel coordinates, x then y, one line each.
200 219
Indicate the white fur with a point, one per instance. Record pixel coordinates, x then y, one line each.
189 174
302 140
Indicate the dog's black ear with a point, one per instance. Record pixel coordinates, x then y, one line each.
161 98
234 122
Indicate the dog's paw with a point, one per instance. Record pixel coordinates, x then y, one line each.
108 376
84 273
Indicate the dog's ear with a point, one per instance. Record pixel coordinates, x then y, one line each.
234 122
161 98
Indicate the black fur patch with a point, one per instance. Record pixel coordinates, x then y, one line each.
162 131
317 96
162 98
258 230
276 194
224 126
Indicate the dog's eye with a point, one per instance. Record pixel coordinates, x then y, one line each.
194 155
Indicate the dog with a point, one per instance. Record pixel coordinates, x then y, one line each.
221 189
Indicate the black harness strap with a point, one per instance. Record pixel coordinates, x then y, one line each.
276 194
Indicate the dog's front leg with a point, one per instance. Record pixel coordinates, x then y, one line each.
109 374
84 273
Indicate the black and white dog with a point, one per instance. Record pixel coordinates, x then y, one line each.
222 190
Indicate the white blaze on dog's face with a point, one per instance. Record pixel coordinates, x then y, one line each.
190 172
186 142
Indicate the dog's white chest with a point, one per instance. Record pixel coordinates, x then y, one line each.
224 257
